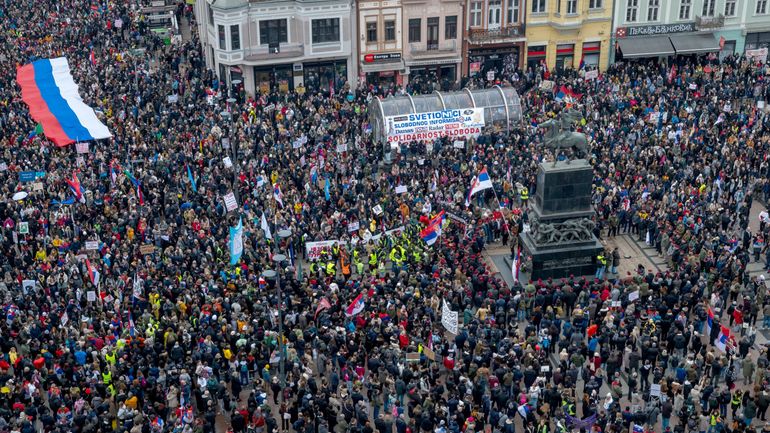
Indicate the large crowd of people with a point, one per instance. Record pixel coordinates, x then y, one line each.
125 313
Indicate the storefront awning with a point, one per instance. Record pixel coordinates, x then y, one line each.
695 43
382 67
433 62
653 46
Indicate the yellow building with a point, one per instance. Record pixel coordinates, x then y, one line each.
562 32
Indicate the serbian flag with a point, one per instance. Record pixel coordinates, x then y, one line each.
50 92
323 304
478 183
92 57
516 265
356 306
723 338
709 321
431 233
74 184
277 194
93 274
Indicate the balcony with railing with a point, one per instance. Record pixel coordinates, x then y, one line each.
481 36
709 23
266 52
433 48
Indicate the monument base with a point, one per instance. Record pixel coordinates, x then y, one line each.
560 261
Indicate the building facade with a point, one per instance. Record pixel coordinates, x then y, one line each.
432 33
380 56
564 33
279 45
494 35
661 28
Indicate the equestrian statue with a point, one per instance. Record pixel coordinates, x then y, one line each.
558 134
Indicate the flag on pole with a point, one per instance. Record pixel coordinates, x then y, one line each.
723 338
277 194
356 306
93 274
327 194
74 184
236 243
192 179
431 233
478 183
266 227
516 265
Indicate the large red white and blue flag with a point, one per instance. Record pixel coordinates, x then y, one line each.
50 92
431 233
723 338
356 306
479 183
75 187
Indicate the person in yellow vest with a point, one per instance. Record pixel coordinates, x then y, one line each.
601 265
330 271
372 260
524 196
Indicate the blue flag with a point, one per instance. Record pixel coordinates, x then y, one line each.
192 180
326 190
236 243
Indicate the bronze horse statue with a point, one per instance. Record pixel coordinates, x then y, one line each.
558 135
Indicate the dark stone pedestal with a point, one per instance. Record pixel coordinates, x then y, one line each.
563 260
563 193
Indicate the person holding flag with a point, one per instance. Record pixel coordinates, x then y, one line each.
478 183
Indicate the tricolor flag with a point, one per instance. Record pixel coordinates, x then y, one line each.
356 306
478 183
93 274
277 194
431 233
53 98
723 338
92 57
516 265
74 184
709 320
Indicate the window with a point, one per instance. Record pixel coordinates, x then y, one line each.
652 10
415 27
730 8
273 32
235 37
390 30
631 10
221 30
371 32
450 27
494 14
558 6
595 4
211 15
326 30
433 33
708 8
538 6
684 9
571 7
513 11
761 6
475 14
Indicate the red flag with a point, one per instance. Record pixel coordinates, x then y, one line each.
323 304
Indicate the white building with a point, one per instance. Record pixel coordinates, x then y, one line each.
279 45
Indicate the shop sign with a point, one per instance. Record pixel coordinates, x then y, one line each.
661 29
381 57
457 123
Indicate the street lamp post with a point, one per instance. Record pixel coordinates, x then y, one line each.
279 259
